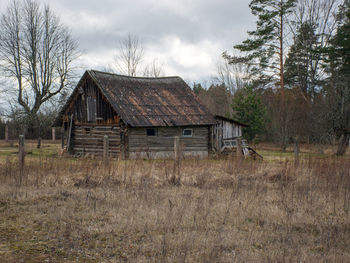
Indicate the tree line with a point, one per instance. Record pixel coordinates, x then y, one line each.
289 79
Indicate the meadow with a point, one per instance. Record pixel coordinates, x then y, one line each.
63 209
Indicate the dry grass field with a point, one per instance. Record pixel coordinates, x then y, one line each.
61 209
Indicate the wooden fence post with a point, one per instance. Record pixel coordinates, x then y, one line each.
239 148
176 148
176 176
239 154
62 137
39 143
105 149
53 134
296 152
6 133
21 152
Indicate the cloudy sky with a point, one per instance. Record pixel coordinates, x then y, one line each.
186 36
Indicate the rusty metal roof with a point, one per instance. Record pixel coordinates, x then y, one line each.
146 102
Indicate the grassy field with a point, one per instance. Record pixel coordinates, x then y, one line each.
61 209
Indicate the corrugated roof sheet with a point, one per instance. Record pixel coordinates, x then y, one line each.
145 102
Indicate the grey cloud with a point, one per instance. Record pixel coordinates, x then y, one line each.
100 25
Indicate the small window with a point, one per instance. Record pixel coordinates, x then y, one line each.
187 133
151 132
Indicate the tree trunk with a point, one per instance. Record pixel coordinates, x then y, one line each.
283 106
36 128
296 151
343 143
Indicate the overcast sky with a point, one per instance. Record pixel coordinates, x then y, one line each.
187 37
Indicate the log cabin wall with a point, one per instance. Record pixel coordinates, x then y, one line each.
88 139
93 118
140 145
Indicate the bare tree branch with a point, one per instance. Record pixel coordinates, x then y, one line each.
154 69
129 56
36 52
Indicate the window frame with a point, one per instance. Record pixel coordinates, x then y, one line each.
155 132
187 129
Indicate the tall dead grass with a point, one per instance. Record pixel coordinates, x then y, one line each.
151 211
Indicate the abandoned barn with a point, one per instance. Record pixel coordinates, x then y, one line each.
141 117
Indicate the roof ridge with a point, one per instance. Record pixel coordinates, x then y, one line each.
132 77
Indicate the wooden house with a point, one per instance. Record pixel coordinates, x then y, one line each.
140 116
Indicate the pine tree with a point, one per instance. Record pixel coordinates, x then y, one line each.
338 90
265 48
248 108
300 65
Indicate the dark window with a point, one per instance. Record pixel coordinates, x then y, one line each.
187 133
151 132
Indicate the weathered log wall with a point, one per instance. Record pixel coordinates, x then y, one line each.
162 145
89 139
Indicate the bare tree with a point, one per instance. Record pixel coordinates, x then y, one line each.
154 69
36 54
233 76
320 16
129 56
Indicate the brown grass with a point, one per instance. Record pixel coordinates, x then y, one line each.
66 210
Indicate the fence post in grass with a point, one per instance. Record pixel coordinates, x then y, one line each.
6 133
176 148
21 152
105 149
53 134
39 143
176 158
62 138
296 152
239 154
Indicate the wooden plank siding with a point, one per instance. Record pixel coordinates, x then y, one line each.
89 139
163 142
231 130
90 106
225 129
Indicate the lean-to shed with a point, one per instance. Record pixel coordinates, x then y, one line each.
141 117
225 130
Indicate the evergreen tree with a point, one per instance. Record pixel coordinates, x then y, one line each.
197 88
338 89
247 108
265 48
300 66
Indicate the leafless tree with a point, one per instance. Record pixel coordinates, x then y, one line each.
233 76
36 54
129 56
321 15
154 69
